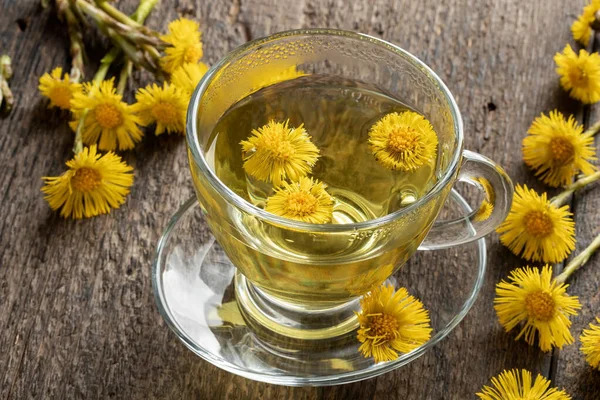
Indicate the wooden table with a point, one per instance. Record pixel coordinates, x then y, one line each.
78 318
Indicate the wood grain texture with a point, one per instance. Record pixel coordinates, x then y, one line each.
78 318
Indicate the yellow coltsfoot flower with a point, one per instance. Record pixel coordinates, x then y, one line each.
391 322
275 152
404 141
590 344
60 90
536 229
582 27
185 44
515 385
538 302
305 200
166 106
579 74
187 76
108 121
93 185
558 149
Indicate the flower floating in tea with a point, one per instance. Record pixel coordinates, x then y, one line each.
305 200
582 27
93 185
276 152
590 344
536 229
186 46
538 302
404 141
558 149
165 106
513 385
108 120
187 76
579 74
391 322
58 89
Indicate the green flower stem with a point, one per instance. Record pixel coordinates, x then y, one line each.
579 261
133 35
139 16
124 76
75 38
562 198
6 66
144 8
592 130
7 99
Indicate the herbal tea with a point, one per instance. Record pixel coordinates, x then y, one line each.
320 268
338 119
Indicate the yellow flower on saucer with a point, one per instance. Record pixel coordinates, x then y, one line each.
582 27
515 385
185 45
93 185
579 74
60 90
558 149
533 299
536 229
590 344
108 121
404 141
187 76
391 322
305 200
275 152
166 106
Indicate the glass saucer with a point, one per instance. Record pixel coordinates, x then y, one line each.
193 284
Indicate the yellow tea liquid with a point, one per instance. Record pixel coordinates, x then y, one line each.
320 268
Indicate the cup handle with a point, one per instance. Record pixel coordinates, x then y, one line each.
497 190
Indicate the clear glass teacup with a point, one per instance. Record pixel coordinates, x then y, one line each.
302 280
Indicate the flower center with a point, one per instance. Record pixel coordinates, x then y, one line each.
403 140
108 116
562 150
383 326
165 113
538 224
540 305
86 180
193 53
301 204
578 76
281 150
61 96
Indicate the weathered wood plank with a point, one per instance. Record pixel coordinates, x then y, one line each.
78 317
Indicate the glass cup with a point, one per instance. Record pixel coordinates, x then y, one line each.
302 281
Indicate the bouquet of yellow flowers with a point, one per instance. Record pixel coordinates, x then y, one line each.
101 120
